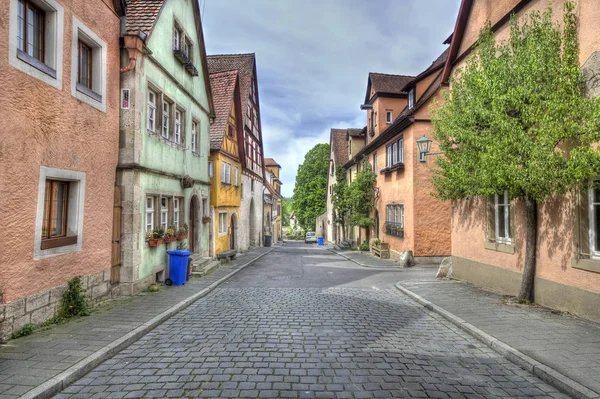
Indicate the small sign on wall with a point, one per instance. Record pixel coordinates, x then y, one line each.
124 98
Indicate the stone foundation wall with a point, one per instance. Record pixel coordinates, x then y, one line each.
40 307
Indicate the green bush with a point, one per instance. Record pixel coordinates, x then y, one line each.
23 331
364 246
74 303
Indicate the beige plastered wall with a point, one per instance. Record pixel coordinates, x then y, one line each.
45 126
555 217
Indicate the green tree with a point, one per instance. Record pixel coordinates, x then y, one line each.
340 201
361 197
516 120
286 209
310 191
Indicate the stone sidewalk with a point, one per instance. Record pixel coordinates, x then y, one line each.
41 364
366 259
564 343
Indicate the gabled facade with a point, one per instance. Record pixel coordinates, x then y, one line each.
224 161
338 156
489 253
272 170
166 106
406 215
59 147
250 231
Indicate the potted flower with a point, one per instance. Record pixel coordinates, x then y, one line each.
170 234
155 238
182 233
206 219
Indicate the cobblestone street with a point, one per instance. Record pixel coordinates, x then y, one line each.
302 323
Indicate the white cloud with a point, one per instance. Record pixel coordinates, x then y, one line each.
313 58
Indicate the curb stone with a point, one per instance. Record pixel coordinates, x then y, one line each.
78 370
362 264
545 373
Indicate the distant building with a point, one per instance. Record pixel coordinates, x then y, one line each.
272 169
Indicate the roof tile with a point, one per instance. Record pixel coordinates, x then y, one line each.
142 15
223 88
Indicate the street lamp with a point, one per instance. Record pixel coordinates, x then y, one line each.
424 145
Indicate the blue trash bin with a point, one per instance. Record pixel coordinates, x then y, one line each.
178 266
321 241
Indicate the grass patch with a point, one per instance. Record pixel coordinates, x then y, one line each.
23 331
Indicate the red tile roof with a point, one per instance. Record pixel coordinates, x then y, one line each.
271 162
142 15
393 84
339 145
223 88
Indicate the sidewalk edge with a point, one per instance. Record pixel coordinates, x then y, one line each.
540 370
362 264
78 370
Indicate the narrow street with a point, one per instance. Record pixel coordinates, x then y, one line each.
303 322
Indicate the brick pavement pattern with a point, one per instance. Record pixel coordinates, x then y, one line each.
311 339
568 344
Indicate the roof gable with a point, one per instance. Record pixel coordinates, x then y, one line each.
223 86
339 145
382 83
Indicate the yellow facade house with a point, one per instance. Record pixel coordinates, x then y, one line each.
224 162
272 170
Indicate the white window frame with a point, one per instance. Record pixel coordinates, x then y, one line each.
411 98
211 169
176 38
151 110
54 25
178 120
395 214
223 225
394 153
235 176
176 202
388 117
96 97
74 212
149 213
164 212
506 239
194 136
388 156
225 172
400 143
166 116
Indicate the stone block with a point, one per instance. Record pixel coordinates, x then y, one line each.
21 321
99 291
85 282
124 289
445 270
15 308
406 259
56 293
37 301
95 279
6 328
107 275
41 315
2 313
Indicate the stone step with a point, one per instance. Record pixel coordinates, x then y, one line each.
206 269
198 262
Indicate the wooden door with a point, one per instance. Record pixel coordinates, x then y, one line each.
232 233
115 270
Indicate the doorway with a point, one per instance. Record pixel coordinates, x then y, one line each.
232 228
193 233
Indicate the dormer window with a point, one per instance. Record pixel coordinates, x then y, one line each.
411 98
388 117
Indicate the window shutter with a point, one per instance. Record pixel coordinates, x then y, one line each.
490 219
582 221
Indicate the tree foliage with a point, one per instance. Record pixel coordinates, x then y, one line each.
310 191
286 210
340 201
516 120
361 196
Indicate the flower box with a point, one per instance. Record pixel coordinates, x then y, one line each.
155 242
170 239
181 237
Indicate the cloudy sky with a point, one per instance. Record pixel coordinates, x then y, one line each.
313 58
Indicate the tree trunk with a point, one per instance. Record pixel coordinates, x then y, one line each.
526 292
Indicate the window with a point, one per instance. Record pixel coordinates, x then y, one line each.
235 176
186 47
194 137
178 123
88 63
84 76
164 212
59 221
176 212
411 98
375 162
502 217
222 223
395 153
149 223
36 35
165 119
151 111
388 117
124 98
176 38
211 170
375 118
394 220
225 173
30 29
332 169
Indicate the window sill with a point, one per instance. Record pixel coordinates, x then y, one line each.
37 64
588 265
500 247
390 169
58 242
88 92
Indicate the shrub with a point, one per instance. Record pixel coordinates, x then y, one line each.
74 303
23 331
364 246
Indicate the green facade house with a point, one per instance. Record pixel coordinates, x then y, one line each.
166 109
